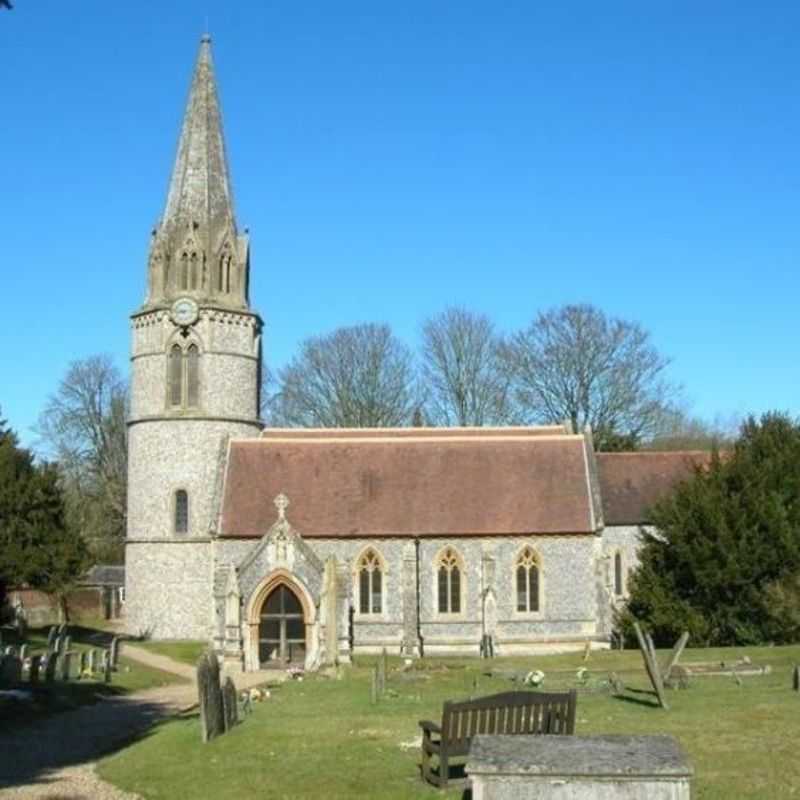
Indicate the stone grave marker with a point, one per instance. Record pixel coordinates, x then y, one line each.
231 710
51 637
114 652
92 661
212 713
82 668
50 668
33 671
23 652
10 670
66 665
106 667
67 643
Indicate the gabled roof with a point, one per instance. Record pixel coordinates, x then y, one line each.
631 483
410 482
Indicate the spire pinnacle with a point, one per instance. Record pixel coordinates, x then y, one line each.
200 190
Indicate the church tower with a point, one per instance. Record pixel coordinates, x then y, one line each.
194 378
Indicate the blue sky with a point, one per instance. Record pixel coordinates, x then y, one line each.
391 159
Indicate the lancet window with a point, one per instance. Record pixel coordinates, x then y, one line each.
181 511
370 583
618 588
449 579
527 574
183 372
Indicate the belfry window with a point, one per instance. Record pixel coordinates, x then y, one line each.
184 271
181 511
370 583
527 571
449 569
183 375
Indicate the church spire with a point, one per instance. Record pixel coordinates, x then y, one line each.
200 189
195 248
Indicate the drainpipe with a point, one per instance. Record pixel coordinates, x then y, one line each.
420 641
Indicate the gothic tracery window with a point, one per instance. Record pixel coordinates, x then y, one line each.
370 583
527 572
192 378
449 569
175 376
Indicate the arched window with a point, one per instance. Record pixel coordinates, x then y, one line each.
181 511
370 583
618 574
176 376
184 283
192 377
449 582
194 271
527 581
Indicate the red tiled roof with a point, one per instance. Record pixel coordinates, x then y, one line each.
402 482
631 483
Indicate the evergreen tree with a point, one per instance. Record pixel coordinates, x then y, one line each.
36 547
724 560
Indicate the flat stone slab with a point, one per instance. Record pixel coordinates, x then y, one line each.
620 757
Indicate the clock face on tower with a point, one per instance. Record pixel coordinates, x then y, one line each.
184 311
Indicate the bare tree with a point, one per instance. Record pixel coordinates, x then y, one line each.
83 428
360 376
464 379
576 363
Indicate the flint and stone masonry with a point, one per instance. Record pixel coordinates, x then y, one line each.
307 546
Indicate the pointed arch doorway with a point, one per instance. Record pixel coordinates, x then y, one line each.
281 629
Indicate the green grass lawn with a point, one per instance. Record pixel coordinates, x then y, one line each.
187 652
50 698
322 737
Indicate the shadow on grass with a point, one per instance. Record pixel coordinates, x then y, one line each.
32 753
651 700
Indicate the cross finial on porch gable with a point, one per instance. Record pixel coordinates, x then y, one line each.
281 503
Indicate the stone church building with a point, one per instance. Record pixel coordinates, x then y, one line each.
306 546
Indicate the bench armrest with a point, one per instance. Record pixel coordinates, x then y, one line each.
429 727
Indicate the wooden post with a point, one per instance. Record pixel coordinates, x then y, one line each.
651 665
675 655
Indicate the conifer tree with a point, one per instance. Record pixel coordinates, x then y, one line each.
725 558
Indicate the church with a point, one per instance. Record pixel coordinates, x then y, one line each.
299 546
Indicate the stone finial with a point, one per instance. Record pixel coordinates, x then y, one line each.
281 503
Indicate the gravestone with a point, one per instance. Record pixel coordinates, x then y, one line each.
212 713
231 711
23 652
10 670
106 666
51 637
507 767
82 668
50 668
33 672
10 651
93 661
66 665
67 643
114 652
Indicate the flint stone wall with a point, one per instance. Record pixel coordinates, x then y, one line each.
168 589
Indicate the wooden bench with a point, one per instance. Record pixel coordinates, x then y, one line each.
506 712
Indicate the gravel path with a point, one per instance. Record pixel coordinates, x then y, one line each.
54 758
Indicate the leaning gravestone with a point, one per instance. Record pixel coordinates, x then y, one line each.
229 703
33 672
51 637
66 665
212 713
114 652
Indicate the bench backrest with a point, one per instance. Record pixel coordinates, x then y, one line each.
510 713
